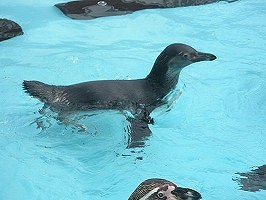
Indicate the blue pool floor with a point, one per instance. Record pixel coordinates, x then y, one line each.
215 129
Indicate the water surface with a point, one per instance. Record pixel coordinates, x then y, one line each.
215 129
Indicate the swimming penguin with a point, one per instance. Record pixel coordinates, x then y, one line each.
140 96
9 29
91 9
161 189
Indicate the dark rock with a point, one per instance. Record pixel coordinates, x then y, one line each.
90 9
9 29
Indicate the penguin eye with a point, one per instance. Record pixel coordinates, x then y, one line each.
160 195
185 55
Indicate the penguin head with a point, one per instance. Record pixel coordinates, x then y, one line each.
174 58
181 55
161 189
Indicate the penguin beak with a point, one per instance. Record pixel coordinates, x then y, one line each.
186 194
200 56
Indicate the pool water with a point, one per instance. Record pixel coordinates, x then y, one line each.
215 129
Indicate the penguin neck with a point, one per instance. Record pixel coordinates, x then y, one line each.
164 77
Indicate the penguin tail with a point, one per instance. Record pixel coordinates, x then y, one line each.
39 90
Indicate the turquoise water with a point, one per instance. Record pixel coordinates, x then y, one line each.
215 129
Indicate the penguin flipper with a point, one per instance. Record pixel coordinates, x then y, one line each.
138 131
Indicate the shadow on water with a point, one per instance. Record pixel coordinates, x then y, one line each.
254 180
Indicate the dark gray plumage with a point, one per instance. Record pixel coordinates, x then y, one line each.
140 96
